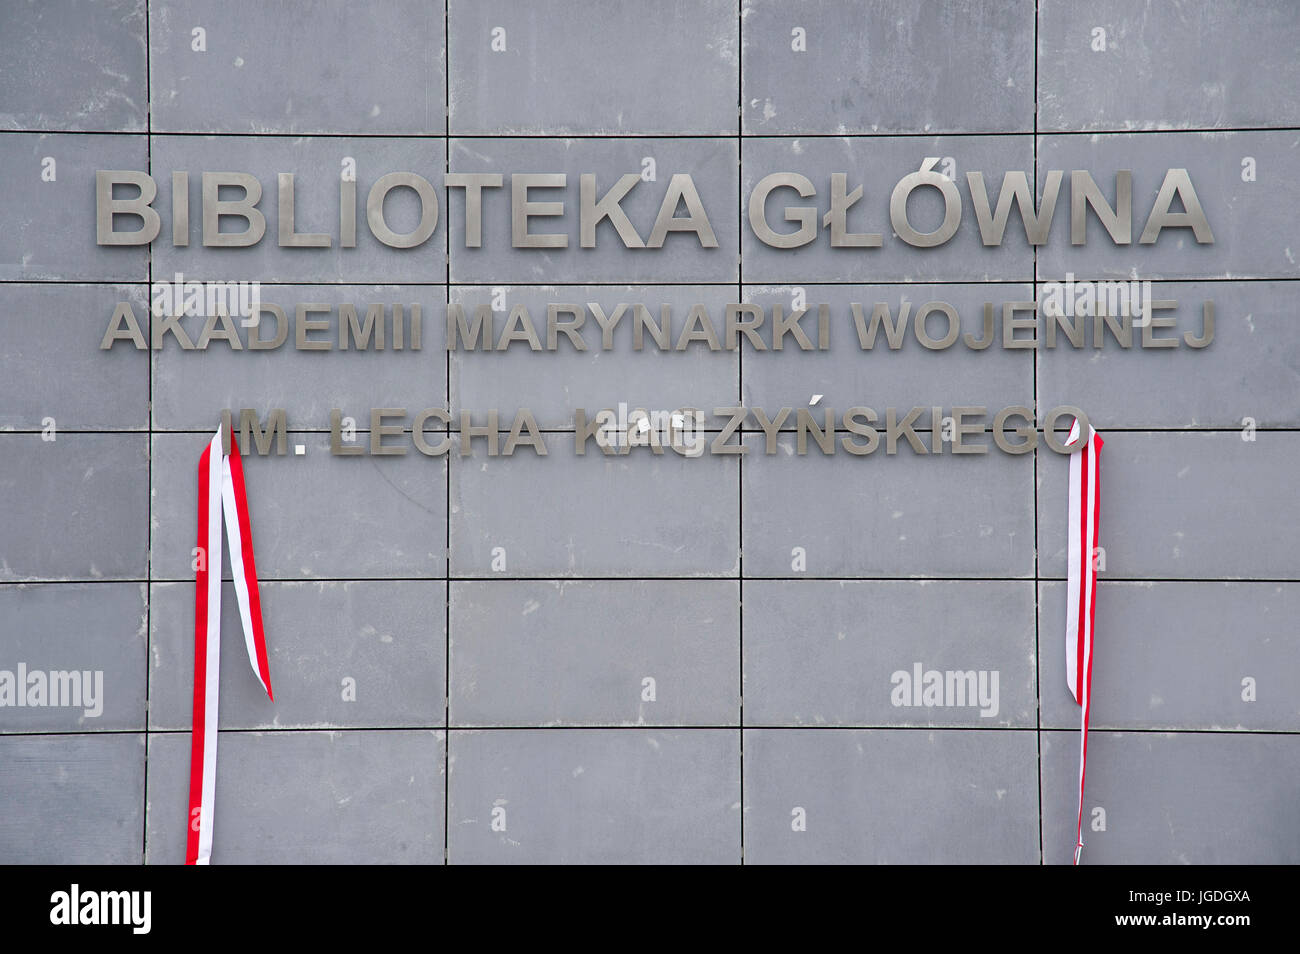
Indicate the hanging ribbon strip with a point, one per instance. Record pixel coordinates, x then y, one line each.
1081 589
221 487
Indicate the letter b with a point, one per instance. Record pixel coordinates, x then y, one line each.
106 207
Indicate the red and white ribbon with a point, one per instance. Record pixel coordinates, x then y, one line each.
1081 588
221 488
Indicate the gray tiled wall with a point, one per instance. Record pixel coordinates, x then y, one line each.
650 676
